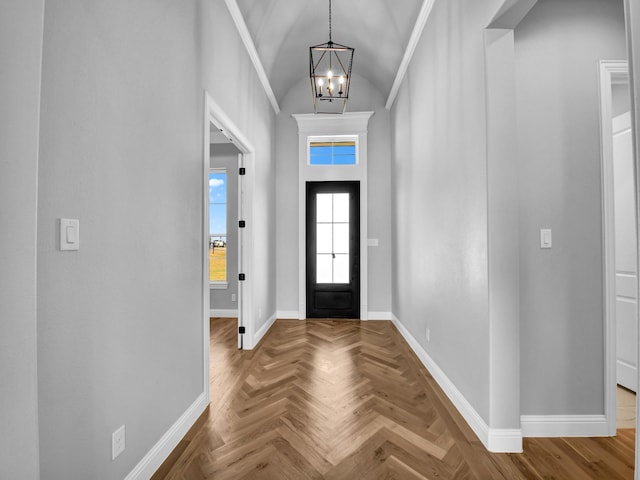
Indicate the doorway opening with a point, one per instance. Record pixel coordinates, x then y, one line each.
338 145
333 249
225 141
620 246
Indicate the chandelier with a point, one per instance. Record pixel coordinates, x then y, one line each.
330 72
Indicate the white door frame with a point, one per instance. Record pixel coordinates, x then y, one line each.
611 72
351 124
216 116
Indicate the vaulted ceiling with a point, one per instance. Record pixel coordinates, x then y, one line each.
283 30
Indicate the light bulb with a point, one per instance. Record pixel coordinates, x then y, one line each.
320 82
329 74
341 80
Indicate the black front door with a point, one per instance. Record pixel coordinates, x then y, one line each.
333 249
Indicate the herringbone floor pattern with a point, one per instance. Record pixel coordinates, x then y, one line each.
349 400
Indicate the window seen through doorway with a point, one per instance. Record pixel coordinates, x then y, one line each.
218 226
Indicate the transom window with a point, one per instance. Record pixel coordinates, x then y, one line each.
333 151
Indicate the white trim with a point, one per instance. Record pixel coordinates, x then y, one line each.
262 331
223 313
504 440
354 124
564 426
241 240
421 21
494 439
241 26
161 450
379 316
610 72
216 116
287 314
206 289
315 124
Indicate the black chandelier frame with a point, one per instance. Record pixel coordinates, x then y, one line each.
330 73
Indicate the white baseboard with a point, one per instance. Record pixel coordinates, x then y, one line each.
294 315
287 314
220 313
494 439
161 450
504 440
564 426
262 331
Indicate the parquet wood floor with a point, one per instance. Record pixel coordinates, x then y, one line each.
349 400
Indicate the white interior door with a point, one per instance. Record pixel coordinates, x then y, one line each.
626 254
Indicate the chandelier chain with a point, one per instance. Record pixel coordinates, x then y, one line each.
329 21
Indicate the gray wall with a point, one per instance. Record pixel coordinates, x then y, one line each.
441 185
364 97
232 81
439 197
225 155
20 68
120 321
558 45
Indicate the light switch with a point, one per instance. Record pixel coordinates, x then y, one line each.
69 234
545 238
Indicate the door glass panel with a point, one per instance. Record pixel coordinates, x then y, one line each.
324 202
332 238
324 241
341 207
341 268
341 238
324 268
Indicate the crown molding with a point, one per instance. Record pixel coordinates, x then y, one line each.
241 26
421 21
318 123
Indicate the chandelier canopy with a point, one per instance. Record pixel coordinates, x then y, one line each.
330 72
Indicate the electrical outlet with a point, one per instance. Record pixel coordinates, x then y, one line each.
233 297
117 442
428 335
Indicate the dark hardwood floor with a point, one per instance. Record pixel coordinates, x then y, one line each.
349 400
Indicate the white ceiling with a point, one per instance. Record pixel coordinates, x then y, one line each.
283 30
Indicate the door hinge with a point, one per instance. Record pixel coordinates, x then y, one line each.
241 330
242 224
242 171
241 277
